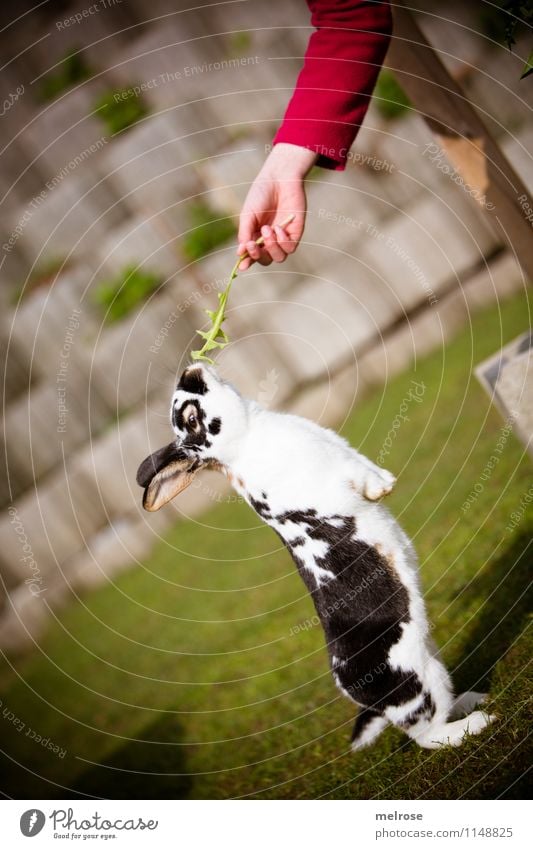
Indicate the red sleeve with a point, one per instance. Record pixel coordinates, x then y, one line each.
342 62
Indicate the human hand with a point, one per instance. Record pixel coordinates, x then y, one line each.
276 193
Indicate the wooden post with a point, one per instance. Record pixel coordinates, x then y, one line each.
462 135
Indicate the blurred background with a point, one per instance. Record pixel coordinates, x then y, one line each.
131 133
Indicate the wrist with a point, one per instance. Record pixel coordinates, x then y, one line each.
289 161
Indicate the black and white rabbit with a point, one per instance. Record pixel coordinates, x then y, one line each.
323 499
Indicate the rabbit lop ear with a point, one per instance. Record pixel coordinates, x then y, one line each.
164 474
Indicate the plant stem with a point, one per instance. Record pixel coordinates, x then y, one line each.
216 337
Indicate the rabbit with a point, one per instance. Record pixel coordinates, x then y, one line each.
323 499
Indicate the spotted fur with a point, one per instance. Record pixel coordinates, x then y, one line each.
323 499
192 380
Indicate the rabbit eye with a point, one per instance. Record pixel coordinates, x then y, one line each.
190 419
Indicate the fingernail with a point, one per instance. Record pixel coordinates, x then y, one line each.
266 231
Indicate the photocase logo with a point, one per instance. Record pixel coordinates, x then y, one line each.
32 822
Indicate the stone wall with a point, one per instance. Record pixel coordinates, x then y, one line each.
395 257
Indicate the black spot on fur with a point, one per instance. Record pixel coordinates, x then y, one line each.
175 417
178 419
214 426
391 688
364 578
294 543
361 609
296 516
192 381
261 507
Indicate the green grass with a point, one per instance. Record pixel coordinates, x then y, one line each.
72 69
184 679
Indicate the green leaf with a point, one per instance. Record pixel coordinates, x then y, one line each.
216 337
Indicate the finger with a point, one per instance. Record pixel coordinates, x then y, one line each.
271 245
246 263
296 227
253 250
284 240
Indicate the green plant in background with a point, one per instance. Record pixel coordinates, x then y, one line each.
120 109
123 294
207 231
72 69
390 98
239 43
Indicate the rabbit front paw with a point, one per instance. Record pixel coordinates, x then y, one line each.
374 483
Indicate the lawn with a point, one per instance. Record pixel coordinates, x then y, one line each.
191 678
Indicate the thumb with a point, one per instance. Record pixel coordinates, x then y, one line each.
294 232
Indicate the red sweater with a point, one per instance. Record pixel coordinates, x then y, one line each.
342 62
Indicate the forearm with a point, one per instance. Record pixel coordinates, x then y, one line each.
341 66
288 161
